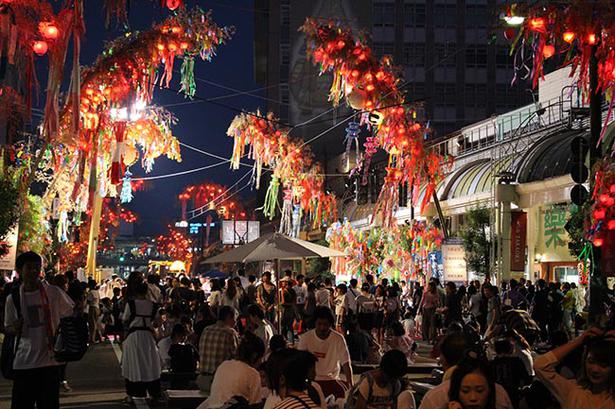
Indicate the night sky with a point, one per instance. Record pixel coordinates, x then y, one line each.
201 124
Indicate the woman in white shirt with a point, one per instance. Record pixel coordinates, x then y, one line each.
238 377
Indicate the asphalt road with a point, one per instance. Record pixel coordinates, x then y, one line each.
96 381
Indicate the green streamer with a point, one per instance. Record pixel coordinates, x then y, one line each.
188 86
271 198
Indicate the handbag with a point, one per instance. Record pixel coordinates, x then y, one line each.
11 342
71 339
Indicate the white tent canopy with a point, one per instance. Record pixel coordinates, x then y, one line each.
275 246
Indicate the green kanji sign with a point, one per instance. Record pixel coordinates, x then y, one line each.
555 220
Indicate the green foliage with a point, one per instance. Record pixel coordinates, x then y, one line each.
476 241
33 228
9 207
576 228
319 267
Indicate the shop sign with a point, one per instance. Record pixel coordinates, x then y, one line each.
518 239
454 263
554 221
7 262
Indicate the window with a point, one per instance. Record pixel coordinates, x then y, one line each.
381 49
414 15
414 54
284 54
446 54
503 58
384 14
476 56
285 14
566 274
476 16
445 15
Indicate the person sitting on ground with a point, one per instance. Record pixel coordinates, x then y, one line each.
397 339
258 325
595 387
238 377
330 348
409 324
217 344
509 370
472 386
290 375
382 387
452 350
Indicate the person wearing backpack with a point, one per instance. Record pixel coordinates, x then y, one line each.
32 315
141 366
382 388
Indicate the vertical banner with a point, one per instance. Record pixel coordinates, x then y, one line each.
7 262
454 263
518 240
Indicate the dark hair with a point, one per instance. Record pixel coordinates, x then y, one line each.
277 343
226 312
503 346
325 313
241 272
394 364
251 278
231 289
27 257
365 287
266 274
251 348
153 279
255 310
92 284
311 287
342 288
293 365
451 286
300 277
140 289
602 351
70 275
453 347
215 285
369 278
117 290
398 329
353 282
185 281
179 329
472 290
59 280
467 366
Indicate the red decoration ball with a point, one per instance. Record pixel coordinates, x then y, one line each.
510 33
548 51
611 224
40 47
173 4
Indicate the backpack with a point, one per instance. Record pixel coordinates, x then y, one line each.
354 392
71 339
11 341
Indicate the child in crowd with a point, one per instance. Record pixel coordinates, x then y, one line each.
183 358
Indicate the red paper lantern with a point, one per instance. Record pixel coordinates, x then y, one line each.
548 51
598 242
509 33
48 30
599 214
591 39
604 198
173 4
537 24
611 224
568 36
40 47
612 189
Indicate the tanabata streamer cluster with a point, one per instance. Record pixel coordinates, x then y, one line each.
401 252
175 245
214 196
292 166
372 86
603 208
107 124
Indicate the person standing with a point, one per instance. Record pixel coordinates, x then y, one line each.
323 296
32 313
289 311
217 344
452 306
540 307
266 296
352 294
430 301
300 290
331 350
251 290
141 366
93 302
309 307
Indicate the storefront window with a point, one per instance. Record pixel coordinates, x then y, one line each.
566 274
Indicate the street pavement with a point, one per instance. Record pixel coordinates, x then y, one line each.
96 381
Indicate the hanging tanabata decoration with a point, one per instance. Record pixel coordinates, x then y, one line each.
292 167
371 85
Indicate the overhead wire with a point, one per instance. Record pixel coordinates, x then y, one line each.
185 172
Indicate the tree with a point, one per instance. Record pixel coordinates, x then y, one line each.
476 241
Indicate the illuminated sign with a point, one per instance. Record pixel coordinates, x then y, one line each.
239 231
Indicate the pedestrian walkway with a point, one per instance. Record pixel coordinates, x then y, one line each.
96 381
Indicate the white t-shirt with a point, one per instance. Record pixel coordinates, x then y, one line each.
332 353
233 378
33 349
322 298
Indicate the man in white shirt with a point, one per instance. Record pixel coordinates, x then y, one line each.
300 292
332 352
32 313
154 294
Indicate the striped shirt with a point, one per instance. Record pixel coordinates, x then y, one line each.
299 401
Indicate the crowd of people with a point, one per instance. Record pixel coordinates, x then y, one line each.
248 341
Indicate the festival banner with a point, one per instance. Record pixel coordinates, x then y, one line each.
518 240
